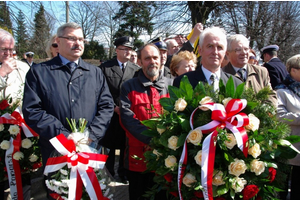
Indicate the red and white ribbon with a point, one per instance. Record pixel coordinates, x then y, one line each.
81 165
222 117
12 165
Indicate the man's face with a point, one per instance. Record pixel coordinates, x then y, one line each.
123 53
163 57
239 54
212 52
133 57
173 47
71 44
150 62
6 50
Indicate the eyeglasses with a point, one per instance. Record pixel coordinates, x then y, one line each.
125 49
251 57
73 39
6 49
240 50
54 45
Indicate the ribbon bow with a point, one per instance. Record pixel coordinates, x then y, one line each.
12 165
81 165
222 117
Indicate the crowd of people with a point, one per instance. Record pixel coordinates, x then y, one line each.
120 93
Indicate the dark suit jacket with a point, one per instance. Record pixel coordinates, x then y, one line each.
196 76
277 71
115 135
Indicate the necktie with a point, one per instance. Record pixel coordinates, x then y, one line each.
241 72
212 80
123 67
72 66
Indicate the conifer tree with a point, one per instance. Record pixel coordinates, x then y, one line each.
5 21
21 35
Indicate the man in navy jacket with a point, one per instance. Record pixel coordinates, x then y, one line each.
66 87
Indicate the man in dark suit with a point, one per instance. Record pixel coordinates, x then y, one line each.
212 48
277 70
117 71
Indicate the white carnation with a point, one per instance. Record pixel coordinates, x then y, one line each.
14 129
33 158
26 143
5 144
18 155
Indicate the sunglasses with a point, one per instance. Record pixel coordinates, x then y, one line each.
54 45
252 57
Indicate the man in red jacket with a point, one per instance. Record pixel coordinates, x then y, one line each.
139 101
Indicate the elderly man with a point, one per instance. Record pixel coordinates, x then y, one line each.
276 68
66 87
212 48
172 46
117 71
139 101
254 76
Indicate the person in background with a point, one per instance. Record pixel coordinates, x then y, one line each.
133 57
183 62
52 48
139 100
277 70
254 76
288 111
29 58
252 57
117 71
12 79
172 47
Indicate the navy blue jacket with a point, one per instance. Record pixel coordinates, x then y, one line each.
52 93
277 71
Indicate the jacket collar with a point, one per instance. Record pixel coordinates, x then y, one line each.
159 83
58 64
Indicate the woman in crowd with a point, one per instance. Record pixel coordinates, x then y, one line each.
252 57
52 47
288 111
183 62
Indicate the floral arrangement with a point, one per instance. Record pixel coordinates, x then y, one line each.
19 151
224 145
75 166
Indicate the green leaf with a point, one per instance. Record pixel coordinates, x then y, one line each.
151 123
293 138
230 87
167 103
186 87
175 93
150 133
181 139
239 91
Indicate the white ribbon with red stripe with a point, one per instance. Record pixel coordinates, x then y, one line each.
81 165
222 117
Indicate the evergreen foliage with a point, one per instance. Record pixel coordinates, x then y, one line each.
5 21
21 36
93 50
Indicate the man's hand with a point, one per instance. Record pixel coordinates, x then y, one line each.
117 110
8 66
198 28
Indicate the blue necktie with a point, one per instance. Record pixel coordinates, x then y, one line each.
72 66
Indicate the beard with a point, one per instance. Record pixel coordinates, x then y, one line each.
152 70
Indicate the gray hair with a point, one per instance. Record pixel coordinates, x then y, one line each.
293 62
139 51
61 30
215 31
236 38
5 35
48 47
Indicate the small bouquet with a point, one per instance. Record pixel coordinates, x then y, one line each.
19 150
76 165
225 145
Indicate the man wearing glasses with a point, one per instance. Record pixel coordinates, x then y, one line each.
66 87
117 71
254 76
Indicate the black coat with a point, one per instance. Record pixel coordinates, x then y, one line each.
196 76
115 135
277 71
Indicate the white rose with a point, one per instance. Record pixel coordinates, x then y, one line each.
255 150
160 130
33 158
205 100
237 167
172 142
5 144
257 167
14 129
218 178
238 184
198 157
231 142
170 162
189 179
18 155
155 152
26 143
226 100
253 123
180 104
1 127
195 136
